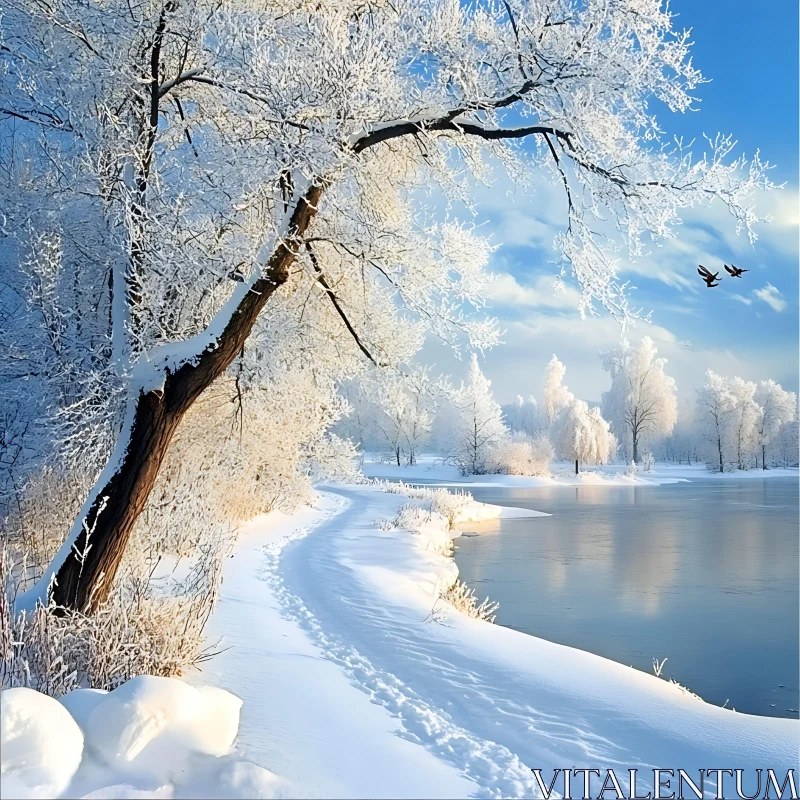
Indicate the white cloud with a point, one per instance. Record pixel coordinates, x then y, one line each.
748 301
771 296
544 292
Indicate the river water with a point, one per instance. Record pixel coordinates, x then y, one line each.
704 574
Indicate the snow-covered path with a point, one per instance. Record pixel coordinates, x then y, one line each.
485 704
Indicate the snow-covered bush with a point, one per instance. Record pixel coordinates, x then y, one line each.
332 458
462 598
439 501
520 455
142 628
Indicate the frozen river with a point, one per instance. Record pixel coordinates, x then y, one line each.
704 574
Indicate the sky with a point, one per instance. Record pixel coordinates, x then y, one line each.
746 327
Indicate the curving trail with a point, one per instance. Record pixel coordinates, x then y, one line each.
466 708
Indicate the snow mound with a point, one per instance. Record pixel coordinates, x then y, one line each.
152 726
81 702
41 745
151 737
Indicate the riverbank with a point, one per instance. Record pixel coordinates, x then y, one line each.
432 469
356 682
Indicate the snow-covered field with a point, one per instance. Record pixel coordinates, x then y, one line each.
357 680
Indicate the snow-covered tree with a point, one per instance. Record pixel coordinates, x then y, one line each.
788 443
744 421
555 396
583 435
715 407
187 168
641 403
778 407
477 426
404 405
523 416
681 444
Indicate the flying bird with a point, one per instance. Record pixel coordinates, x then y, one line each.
708 277
734 271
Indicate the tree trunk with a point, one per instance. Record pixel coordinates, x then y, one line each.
719 447
576 466
763 456
85 577
635 448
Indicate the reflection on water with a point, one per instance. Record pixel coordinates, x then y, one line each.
705 574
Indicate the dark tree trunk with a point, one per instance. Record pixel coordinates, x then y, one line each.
763 456
576 466
636 448
84 583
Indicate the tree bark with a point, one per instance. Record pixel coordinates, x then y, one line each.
576 466
763 456
85 578
635 448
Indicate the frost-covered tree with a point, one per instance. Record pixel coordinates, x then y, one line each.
583 435
788 444
681 444
778 407
641 403
555 396
523 416
403 408
477 426
744 421
190 167
715 407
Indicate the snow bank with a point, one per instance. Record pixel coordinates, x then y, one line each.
563 474
150 726
150 737
434 520
40 745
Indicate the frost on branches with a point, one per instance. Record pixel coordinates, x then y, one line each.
738 421
583 436
556 397
641 404
177 170
477 427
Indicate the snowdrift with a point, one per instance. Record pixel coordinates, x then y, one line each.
151 736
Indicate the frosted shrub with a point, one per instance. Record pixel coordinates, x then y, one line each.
439 501
462 598
40 512
332 458
138 630
522 455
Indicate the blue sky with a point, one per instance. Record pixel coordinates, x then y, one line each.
747 327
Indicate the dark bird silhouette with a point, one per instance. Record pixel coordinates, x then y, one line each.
709 277
734 271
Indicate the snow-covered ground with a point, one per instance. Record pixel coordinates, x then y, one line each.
357 682
431 469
